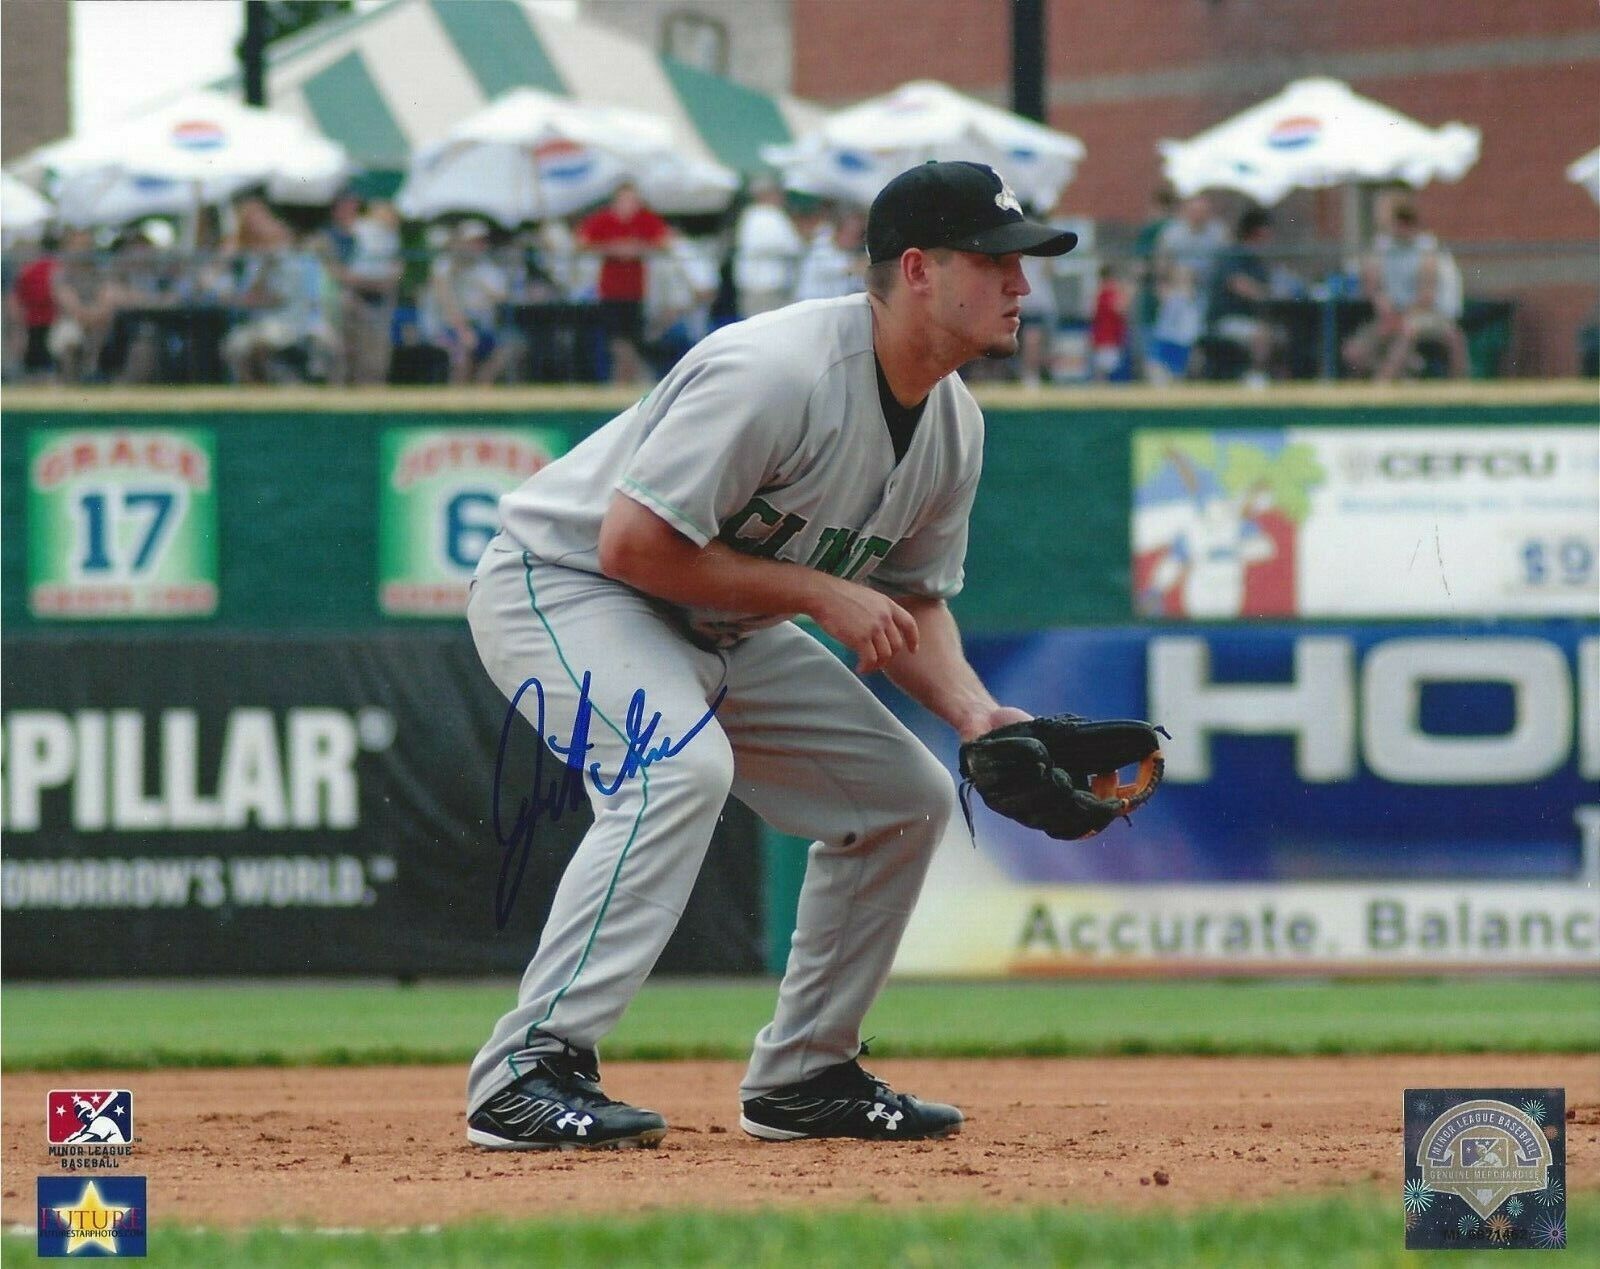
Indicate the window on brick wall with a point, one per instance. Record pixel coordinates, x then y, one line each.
696 40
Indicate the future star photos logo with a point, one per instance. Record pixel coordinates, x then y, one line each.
101 1116
105 1216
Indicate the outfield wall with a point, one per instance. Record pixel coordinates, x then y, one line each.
246 732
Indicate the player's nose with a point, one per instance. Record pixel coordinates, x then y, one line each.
1016 279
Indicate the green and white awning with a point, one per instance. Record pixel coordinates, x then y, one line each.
383 82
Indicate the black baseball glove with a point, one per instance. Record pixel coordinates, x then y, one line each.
1059 774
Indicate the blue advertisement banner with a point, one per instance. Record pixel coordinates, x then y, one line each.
1350 752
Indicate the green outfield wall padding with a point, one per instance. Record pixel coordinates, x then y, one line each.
297 497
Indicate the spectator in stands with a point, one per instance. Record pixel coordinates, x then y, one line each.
1108 326
31 312
146 276
287 336
548 274
462 310
767 250
1194 239
1041 314
361 251
1415 289
683 282
1241 284
1147 300
835 263
1180 316
624 233
85 303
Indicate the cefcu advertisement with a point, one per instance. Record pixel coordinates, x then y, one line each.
1362 796
1366 522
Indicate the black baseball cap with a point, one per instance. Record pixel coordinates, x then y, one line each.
965 206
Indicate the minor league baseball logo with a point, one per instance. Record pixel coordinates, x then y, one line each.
1484 1151
1005 200
891 1118
578 1123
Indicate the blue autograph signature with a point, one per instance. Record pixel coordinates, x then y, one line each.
557 795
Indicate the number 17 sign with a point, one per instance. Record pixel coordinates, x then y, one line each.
122 523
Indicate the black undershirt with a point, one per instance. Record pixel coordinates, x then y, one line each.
902 419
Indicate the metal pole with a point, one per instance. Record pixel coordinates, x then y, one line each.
1028 59
253 52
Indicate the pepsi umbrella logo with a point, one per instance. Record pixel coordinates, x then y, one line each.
562 160
198 134
1295 132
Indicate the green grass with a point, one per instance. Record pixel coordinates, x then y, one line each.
1362 1230
134 1027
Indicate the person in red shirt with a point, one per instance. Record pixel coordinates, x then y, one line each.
1108 327
32 307
623 233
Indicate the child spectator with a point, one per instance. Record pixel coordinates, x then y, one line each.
1108 326
1180 314
31 305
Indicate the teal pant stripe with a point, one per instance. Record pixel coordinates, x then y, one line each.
644 801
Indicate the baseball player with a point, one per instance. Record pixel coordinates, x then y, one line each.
636 606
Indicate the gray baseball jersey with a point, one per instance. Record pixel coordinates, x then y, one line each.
769 436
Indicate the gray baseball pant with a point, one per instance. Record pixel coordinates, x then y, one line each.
798 738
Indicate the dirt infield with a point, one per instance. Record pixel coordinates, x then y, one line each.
384 1147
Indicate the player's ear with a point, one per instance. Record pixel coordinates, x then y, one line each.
914 269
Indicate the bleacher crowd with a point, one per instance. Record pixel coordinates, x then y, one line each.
350 295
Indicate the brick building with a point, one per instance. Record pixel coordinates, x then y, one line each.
36 105
1122 76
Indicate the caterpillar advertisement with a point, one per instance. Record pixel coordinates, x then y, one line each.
273 805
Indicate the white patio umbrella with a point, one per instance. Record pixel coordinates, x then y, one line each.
1586 172
531 155
854 153
1317 133
23 210
202 148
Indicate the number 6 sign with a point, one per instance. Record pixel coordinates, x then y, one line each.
438 506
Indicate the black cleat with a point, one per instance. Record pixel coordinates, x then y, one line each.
846 1101
558 1105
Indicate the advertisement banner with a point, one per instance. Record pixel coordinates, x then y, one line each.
437 507
248 805
122 523
1366 522
1339 795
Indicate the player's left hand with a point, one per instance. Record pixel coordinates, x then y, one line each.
1059 774
999 716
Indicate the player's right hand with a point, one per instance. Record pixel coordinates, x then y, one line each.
870 624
